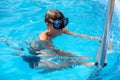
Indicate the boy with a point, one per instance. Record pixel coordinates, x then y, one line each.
56 22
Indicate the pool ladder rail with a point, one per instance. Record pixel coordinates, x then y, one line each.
106 34
101 57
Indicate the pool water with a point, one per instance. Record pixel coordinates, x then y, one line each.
22 20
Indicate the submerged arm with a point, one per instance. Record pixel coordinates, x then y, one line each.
63 53
11 45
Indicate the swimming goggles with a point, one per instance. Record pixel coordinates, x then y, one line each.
60 24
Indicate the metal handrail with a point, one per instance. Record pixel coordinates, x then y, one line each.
106 34
104 44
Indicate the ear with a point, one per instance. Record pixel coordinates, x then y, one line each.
47 24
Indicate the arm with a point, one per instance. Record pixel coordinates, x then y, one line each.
81 35
11 45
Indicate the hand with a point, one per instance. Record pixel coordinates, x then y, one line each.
110 45
96 38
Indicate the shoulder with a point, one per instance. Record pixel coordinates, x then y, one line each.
43 36
66 31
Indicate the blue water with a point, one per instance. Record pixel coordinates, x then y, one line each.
22 21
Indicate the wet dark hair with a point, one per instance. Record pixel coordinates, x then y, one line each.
53 15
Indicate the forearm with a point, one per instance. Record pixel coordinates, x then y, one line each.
81 35
89 37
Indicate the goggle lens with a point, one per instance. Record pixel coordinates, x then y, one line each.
60 24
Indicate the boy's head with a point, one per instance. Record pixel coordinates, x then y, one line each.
53 15
56 18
